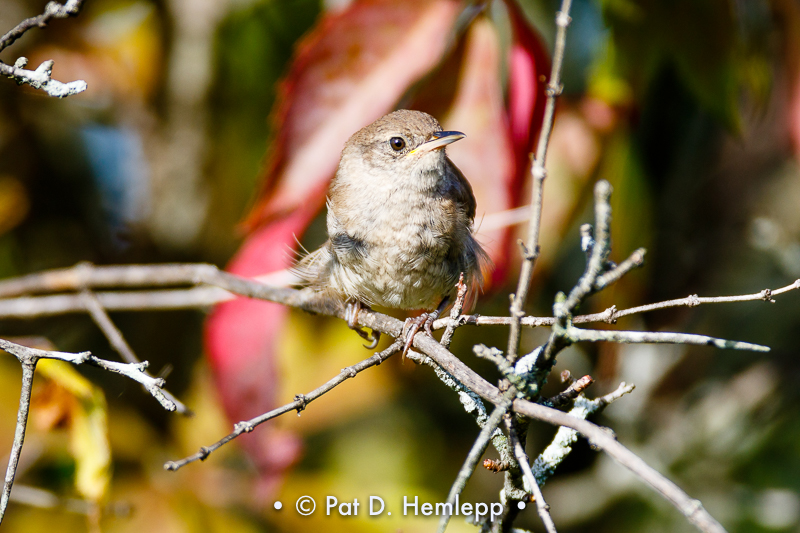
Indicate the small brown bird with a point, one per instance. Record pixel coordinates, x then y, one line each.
400 223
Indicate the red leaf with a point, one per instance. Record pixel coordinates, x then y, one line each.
240 339
349 71
529 66
486 155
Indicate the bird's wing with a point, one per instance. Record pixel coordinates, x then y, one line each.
463 192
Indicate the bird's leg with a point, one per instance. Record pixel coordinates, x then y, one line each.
426 320
351 315
434 315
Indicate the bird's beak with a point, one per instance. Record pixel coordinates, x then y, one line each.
440 139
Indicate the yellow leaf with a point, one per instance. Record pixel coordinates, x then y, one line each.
88 428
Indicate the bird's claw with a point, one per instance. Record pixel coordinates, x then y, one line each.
351 315
374 338
413 324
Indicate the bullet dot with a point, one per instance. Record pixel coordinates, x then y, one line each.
521 505
389 514
278 505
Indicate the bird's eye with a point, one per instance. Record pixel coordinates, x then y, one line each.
397 143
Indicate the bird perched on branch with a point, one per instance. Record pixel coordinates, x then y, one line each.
400 223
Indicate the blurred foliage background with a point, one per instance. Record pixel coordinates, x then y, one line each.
690 108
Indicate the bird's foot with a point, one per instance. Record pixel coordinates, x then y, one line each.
413 324
351 315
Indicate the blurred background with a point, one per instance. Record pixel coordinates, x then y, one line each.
200 112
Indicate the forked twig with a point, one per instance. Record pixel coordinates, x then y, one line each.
531 247
40 78
28 358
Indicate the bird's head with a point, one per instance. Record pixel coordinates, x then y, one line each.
404 147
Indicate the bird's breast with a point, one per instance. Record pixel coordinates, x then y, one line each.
401 250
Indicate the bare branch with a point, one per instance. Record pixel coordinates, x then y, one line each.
611 314
522 459
599 437
474 456
456 368
455 312
165 300
53 10
300 402
41 77
28 368
118 342
603 439
88 276
635 260
587 284
561 445
105 324
765 295
570 393
27 355
531 249
659 337
28 358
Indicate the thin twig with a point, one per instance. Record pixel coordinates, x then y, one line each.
570 393
112 333
597 244
28 368
635 260
164 300
53 10
611 314
118 342
473 457
300 402
522 460
587 284
455 312
561 446
133 371
41 77
657 337
765 295
531 248
88 276
28 358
